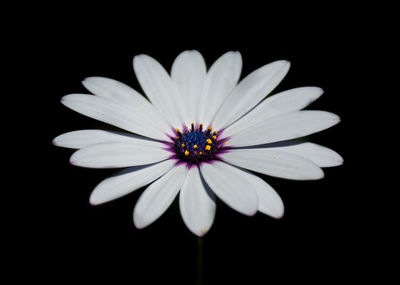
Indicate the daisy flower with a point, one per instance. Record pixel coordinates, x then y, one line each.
200 133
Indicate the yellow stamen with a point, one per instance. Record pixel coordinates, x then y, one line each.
208 147
216 132
209 141
210 128
224 142
186 153
200 153
177 130
183 145
195 146
214 137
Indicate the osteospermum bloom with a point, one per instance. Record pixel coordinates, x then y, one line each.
199 133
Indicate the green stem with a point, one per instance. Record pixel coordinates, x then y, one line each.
200 280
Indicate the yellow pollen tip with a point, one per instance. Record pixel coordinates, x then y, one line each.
214 137
216 132
186 153
201 125
200 153
183 145
195 146
210 128
224 142
177 130
208 147
209 141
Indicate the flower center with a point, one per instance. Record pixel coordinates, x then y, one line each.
195 144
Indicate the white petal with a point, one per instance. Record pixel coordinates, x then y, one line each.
158 196
232 186
189 73
269 202
128 181
124 95
197 204
112 113
220 81
159 88
320 155
283 102
284 127
251 90
274 163
114 155
84 138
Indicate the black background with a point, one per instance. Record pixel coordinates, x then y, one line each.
316 240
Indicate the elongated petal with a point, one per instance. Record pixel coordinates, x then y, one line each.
220 81
274 163
197 205
124 95
189 73
232 186
114 155
320 155
111 113
128 181
250 91
159 88
84 138
281 103
269 202
284 127
158 196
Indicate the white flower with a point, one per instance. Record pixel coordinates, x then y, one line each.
196 135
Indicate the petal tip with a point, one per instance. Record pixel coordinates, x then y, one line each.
340 160
138 225
72 161
253 214
201 233
93 201
280 213
317 174
138 57
86 82
138 222
318 91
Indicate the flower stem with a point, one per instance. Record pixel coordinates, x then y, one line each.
200 280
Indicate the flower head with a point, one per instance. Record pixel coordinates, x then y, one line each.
199 134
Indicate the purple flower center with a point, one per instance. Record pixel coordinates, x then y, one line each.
196 145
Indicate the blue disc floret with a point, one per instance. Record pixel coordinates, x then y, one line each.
195 144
